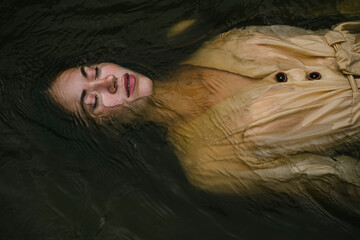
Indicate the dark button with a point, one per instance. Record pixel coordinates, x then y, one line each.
281 77
314 76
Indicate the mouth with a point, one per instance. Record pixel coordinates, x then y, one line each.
129 83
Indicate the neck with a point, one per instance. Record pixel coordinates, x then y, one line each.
175 102
189 93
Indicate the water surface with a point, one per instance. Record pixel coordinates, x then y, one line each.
57 183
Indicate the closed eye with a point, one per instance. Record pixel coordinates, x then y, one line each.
83 72
84 105
85 75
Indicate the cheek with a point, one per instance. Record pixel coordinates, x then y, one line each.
113 69
113 111
127 112
112 100
145 87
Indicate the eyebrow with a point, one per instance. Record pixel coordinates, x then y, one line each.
83 71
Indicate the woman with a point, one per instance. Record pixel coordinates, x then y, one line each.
265 107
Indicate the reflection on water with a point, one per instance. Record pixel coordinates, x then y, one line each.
57 183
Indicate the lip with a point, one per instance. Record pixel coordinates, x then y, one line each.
129 81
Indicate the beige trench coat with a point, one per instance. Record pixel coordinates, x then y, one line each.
278 135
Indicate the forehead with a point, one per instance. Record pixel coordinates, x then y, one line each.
67 88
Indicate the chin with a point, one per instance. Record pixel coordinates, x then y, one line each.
145 87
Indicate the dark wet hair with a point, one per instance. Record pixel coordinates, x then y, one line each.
142 59
53 121
129 150
46 112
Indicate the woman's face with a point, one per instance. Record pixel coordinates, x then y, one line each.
99 90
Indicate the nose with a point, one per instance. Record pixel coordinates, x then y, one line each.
107 83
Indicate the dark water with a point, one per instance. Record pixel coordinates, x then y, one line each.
57 183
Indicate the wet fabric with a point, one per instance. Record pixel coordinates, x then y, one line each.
272 135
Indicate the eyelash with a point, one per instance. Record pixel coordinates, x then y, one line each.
96 102
96 72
